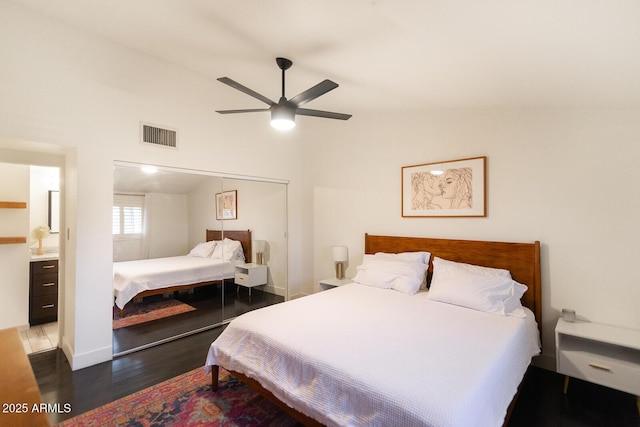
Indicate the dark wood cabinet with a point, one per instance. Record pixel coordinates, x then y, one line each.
43 292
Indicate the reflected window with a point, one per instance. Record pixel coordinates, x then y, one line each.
127 215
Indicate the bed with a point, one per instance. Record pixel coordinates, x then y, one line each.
142 278
364 355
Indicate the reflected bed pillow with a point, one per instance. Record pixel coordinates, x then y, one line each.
228 250
203 250
480 288
402 276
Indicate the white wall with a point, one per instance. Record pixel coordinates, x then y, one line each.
261 209
566 178
14 258
75 90
168 225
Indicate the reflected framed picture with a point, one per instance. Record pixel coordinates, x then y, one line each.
227 205
454 188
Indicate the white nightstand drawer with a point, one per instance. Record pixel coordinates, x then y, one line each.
242 279
610 372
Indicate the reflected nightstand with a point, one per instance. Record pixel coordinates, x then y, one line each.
250 275
325 284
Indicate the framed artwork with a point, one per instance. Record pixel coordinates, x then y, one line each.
227 205
455 188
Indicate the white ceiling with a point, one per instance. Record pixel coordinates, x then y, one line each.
399 54
131 179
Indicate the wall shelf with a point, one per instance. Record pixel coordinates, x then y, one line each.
12 240
18 239
13 205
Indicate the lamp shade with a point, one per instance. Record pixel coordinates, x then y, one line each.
283 117
259 245
340 253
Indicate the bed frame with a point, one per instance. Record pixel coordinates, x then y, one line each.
243 236
521 259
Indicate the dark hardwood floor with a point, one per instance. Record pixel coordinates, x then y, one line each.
541 401
212 307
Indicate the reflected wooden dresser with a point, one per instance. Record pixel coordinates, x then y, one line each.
43 292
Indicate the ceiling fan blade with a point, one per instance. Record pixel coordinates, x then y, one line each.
242 88
325 114
246 110
313 92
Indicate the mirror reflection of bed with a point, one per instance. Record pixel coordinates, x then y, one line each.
178 217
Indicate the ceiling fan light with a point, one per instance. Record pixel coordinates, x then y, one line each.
283 124
282 117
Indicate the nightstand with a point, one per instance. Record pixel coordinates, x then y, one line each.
601 354
325 284
250 275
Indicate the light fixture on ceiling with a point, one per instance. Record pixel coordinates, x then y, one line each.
283 117
149 169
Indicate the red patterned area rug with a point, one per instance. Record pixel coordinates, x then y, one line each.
136 313
187 400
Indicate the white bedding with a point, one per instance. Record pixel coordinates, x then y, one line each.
358 355
132 277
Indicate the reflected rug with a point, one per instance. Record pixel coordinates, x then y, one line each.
136 313
187 400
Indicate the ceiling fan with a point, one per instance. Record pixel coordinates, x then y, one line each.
284 111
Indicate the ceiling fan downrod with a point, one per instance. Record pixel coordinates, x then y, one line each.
284 64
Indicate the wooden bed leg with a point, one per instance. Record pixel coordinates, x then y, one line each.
566 384
214 378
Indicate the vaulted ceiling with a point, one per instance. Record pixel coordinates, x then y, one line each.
387 54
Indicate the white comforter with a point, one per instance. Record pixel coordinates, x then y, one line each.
358 355
132 277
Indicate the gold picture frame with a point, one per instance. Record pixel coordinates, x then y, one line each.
453 188
227 205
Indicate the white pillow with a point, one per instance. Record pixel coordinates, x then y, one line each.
446 267
203 250
491 292
402 276
422 257
227 250
240 254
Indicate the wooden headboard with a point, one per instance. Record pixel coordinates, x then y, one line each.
243 236
521 259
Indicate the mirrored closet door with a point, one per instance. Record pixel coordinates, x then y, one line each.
193 250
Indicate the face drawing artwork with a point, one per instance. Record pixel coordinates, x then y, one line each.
456 187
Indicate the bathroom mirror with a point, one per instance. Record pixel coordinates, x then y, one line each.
54 211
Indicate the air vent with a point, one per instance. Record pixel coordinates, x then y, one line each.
158 136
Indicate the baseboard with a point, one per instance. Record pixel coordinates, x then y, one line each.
274 290
84 360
